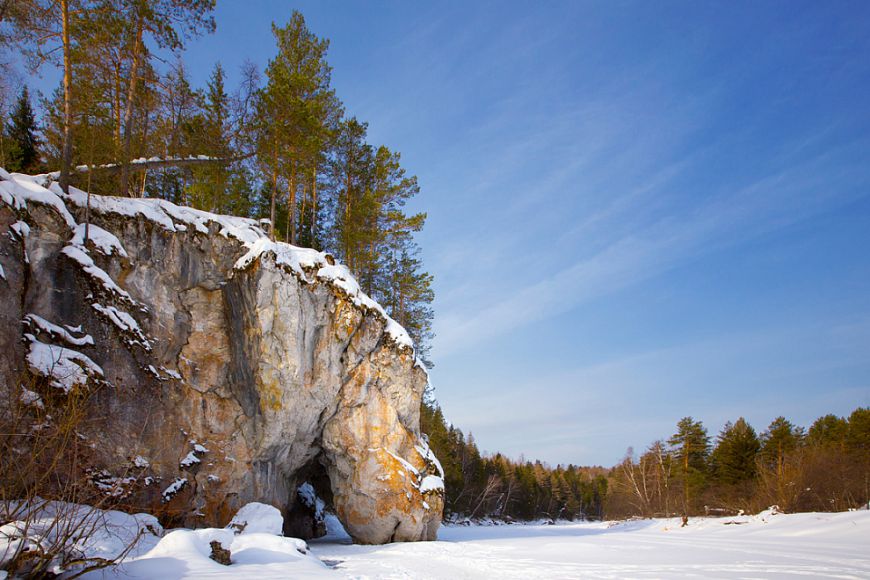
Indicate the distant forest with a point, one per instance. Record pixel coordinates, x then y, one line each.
125 120
823 468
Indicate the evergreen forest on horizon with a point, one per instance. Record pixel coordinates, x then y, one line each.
823 468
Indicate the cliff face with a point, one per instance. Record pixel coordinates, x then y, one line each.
224 368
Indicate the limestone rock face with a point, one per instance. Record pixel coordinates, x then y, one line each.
222 368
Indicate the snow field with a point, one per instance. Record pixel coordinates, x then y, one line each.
769 545
814 545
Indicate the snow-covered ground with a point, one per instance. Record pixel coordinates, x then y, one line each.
815 545
766 546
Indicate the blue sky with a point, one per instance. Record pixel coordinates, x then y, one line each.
638 211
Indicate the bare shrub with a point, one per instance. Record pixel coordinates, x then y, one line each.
52 504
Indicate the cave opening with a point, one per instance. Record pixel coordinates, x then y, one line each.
311 497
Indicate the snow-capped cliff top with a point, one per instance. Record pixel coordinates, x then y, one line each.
17 190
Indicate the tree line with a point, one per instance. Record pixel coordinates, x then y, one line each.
127 120
495 486
823 468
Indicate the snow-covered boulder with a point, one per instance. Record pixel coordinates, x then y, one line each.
239 367
186 554
257 518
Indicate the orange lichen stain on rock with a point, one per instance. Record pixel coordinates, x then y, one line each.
395 487
355 518
270 396
345 319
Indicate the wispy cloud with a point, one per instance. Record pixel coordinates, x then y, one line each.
725 219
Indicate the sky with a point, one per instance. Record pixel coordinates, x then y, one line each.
637 211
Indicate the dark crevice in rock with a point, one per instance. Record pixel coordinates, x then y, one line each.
240 302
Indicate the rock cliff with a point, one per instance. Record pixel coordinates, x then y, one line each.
222 368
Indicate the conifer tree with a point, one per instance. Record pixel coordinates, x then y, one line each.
166 23
858 436
210 184
292 114
828 431
734 458
21 140
350 171
47 29
780 438
690 446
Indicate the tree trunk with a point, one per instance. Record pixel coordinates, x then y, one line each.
291 206
274 186
116 109
313 203
66 153
128 111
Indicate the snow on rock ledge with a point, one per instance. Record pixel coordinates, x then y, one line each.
198 328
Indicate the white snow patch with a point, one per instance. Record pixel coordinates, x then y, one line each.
18 190
105 242
87 263
102 534
123 321
21 229
140 462
174 488
64 367
431 483
257 518
189 460
57 332
185 554
424 450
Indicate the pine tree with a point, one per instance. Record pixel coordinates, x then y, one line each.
210 184
166 23
22 142
409 299
828 431
350 173
690 446
780 438
858 437
734 458
293 111
48 25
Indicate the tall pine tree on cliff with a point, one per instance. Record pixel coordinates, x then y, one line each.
22 142
293 111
